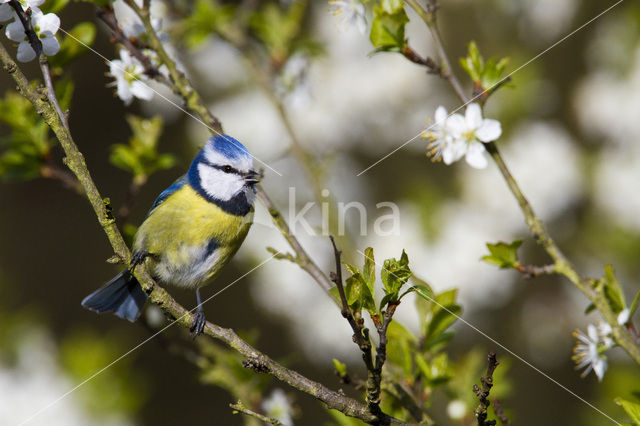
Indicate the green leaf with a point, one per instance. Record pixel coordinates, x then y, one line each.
208 17
358 295
444 312
473 63
140 157
340 368
485 74
387 28
632 409
400 346
395 273
369 270
503 255
392 6
613 291
442 320
420 290
278 28
335 293
436 371
634 304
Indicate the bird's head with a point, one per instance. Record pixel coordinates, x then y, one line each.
223 169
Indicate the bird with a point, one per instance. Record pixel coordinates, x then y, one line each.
191 232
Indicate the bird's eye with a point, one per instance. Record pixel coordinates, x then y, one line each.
227 169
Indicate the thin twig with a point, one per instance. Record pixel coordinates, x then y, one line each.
36 45
483 392
413 56
180 84
500 414
52 171
108 17
532 271
239 407
302 258
362 339
428 15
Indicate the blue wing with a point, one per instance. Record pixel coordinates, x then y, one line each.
179 183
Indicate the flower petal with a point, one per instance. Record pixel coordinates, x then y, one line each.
47 23
6 12
440 116
50 45
116 68
141 90
475 155
124 91
25 52
15 31
453 150
456 124
34 3
599 367
473 116
489 130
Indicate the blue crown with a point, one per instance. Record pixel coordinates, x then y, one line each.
228 146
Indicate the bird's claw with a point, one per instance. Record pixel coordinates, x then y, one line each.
198 324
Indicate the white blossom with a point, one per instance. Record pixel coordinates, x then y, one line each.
590 348
45 27
6 11
453 137
132 25
277 406
352 13
130 78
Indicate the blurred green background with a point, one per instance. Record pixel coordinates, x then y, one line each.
570 131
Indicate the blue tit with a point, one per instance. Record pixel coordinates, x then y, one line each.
191 232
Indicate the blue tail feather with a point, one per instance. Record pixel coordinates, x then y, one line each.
123 296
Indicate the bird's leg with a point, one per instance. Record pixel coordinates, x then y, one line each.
137 258
198 319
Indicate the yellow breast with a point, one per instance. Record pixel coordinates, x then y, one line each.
181 232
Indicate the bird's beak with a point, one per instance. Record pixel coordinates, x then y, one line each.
252 177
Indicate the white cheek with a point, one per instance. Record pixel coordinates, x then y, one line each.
219 185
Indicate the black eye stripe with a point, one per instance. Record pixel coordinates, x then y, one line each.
226 168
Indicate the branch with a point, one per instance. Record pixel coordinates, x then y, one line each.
428 15
301 258
362 339
561 264
181 85
532 271
36 45
239 407
483 393
432 67
157 295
